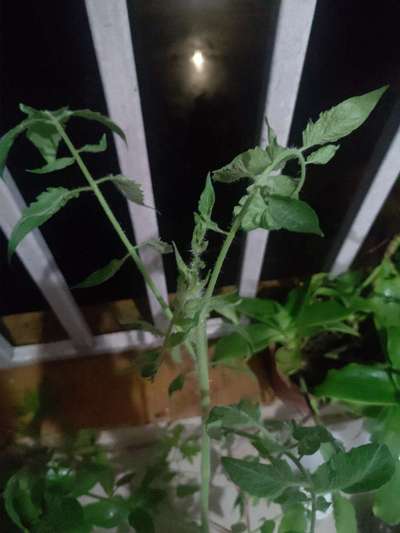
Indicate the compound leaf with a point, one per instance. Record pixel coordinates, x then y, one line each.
258 479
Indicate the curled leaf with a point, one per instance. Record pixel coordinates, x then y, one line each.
103 274
102 119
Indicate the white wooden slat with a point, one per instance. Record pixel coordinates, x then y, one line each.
293 30
118 342
345 249
39 262
109 24
6 350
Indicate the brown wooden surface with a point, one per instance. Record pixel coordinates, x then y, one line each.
106 391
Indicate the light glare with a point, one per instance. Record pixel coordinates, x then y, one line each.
198 60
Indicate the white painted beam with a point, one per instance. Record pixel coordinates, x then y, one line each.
39 262
291 40
119 342
385 171
6 351
109 24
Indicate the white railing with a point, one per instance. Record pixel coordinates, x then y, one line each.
112 39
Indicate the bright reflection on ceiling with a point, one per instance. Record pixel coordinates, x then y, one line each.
198 60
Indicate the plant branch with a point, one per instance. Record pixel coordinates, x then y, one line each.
310 488
110 215
204 385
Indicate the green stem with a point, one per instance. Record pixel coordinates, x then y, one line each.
307 476
110 215
204 385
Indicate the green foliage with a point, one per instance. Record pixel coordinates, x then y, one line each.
46 205
361 384
250 164
323 155
103 274
344 513
176 384
258 479
129 188
102 119
45 495
342 119
290 214
362 469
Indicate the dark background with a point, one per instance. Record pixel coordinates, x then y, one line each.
192 126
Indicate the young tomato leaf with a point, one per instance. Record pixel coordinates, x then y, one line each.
323 155
56 164
103 274
101 146
230 417
342 119
176 384
345 515
362 469
310 438
253 216
7 141
47 204
362 384
44 135
249 164
258 479
141 521
129 188
207 199
290 214
280 185
98 117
